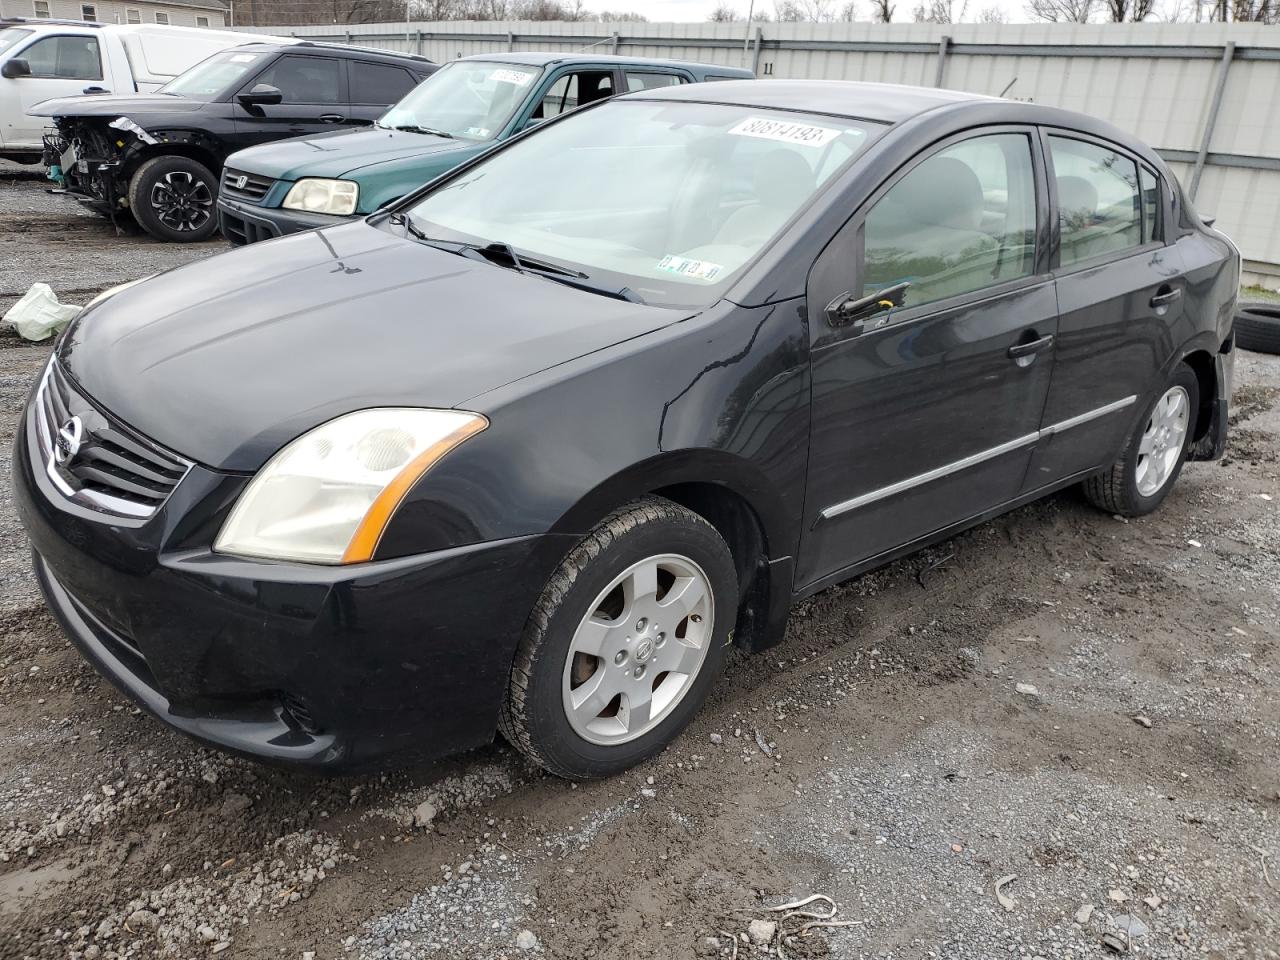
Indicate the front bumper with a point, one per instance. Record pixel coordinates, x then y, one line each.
244 223
324 667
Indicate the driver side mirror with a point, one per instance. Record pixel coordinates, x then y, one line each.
17 67
846 310
262 94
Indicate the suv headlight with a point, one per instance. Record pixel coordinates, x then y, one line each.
316 195
328 495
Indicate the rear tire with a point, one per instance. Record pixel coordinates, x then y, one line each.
1258 327
1148 467
582 715
173 198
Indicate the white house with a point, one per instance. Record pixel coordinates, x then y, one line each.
178 13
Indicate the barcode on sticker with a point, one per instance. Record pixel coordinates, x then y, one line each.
698 269
511 76
804 134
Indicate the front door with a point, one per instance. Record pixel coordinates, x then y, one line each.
1120 296
315 101
927 398
61 66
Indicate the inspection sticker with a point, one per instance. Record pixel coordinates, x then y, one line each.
511 76
698 269
804 134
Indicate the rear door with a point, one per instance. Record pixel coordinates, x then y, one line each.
1120 296
926 413
62 65
374 87
315 100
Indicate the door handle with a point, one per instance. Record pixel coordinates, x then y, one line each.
1166 295
95 90
331 118
1031 348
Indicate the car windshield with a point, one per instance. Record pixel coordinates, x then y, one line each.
210 77
470 99
12 35
667 200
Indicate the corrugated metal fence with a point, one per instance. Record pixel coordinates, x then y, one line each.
1206 95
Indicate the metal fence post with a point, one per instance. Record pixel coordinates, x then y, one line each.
417 45
616 40
755 56
1211 121
511 41
943 44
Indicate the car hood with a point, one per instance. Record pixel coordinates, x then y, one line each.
226 360
132 106
339 153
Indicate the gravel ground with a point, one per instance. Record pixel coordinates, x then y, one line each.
1086 705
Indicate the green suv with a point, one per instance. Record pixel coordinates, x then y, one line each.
460 111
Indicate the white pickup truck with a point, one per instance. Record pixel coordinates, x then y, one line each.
43 59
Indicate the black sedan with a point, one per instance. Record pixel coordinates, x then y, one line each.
529 450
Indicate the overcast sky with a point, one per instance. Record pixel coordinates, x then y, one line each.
683 11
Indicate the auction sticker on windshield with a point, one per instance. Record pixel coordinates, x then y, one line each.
698 269
511 76
785 132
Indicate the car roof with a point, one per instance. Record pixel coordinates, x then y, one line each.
884 102
313 48
542 59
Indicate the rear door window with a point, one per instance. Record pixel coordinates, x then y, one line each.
1098 205
64 58
639 80
304 79
378 83
961 220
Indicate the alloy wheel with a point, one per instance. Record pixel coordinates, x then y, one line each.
638 650
182 201
1162 441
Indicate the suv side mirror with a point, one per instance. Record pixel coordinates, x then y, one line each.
17 67
261 94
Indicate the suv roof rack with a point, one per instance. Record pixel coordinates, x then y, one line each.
50 21
351 46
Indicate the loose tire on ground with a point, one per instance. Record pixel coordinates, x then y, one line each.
173 198
581 602
1124 488
1258 327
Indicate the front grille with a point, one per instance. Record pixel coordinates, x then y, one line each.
94 459
245 186
239 231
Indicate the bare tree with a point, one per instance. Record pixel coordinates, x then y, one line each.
621 16
992 15
882 11
1135 11
939 11
1061 11
723 14
848 13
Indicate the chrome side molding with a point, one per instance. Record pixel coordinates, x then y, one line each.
973 460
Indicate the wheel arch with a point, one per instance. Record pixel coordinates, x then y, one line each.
1202 364
730 494
193 146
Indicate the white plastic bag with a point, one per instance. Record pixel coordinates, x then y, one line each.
39 315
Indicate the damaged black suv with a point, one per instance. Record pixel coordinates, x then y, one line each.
159 156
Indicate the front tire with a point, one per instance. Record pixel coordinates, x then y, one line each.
1146 470
173 199
624 643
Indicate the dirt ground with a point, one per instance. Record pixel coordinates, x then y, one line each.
1086 705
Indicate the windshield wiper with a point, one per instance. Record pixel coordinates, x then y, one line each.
430 131
538 268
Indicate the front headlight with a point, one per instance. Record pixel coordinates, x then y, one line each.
315 195
327 496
